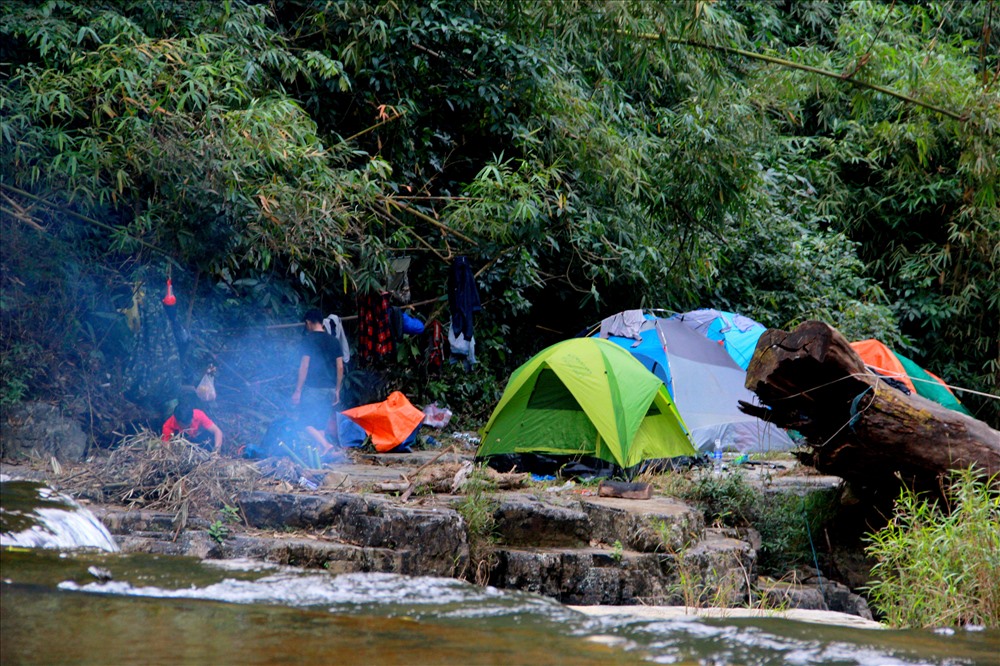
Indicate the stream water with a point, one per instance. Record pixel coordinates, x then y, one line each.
60 603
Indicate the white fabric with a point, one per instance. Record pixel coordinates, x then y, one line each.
462 347
627 324
335 327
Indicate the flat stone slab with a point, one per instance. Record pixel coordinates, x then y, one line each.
522 520
370 469
680 612
337 558
787 476
414 459
126 521
659 524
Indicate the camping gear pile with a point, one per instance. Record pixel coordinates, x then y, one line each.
645 387
392 423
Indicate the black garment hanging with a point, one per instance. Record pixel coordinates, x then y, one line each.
463 297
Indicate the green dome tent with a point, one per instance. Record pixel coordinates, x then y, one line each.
586 397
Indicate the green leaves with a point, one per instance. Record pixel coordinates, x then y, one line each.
196 116
582 153
937 563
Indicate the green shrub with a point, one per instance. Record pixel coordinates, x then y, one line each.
16 368
784 521
938 562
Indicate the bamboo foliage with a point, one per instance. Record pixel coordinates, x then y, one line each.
825 159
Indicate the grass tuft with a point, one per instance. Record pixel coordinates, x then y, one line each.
938 561
478 510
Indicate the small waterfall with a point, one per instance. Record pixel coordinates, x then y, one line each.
32 515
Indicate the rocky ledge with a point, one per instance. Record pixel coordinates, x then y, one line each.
570 544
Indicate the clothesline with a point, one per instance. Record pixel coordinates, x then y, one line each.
274 327
896 375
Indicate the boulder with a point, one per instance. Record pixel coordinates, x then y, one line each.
139 521
584 576
38 429
816 593
721 570
433 540
337 558
190 543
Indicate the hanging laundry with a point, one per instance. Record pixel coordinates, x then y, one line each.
412 325
335 327
435 345
374 334
396 323
463 297
462 349
627 324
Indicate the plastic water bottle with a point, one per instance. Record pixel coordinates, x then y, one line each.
717 456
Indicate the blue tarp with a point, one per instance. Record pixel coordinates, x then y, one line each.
738 334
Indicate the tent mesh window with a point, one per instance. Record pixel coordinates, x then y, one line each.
550 393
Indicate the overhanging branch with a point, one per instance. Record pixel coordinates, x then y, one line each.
808 68
83 218
389 201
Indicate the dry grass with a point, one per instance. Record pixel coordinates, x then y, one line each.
175 476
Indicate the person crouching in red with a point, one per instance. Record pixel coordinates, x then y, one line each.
194 425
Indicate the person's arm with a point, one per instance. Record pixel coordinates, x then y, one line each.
301 380
214 429
202 420
168 430
340 380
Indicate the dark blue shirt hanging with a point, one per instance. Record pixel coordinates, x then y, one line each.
463 297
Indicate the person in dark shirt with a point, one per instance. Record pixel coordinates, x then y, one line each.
319 380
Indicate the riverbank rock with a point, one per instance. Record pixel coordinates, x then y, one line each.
564 542
816 593
41 430
434 539
660 524
522 520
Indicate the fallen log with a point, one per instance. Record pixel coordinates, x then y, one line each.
856 425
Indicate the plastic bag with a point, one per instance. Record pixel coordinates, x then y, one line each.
206 387
435 416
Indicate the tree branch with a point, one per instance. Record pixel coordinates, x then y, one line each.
430 220
384 121
822 72
19 213
805 68
88 220
389 218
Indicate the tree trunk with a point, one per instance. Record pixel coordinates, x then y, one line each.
857 426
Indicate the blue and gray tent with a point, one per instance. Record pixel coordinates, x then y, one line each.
738 334
704 382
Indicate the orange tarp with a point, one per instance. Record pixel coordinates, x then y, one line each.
876 355
389 422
